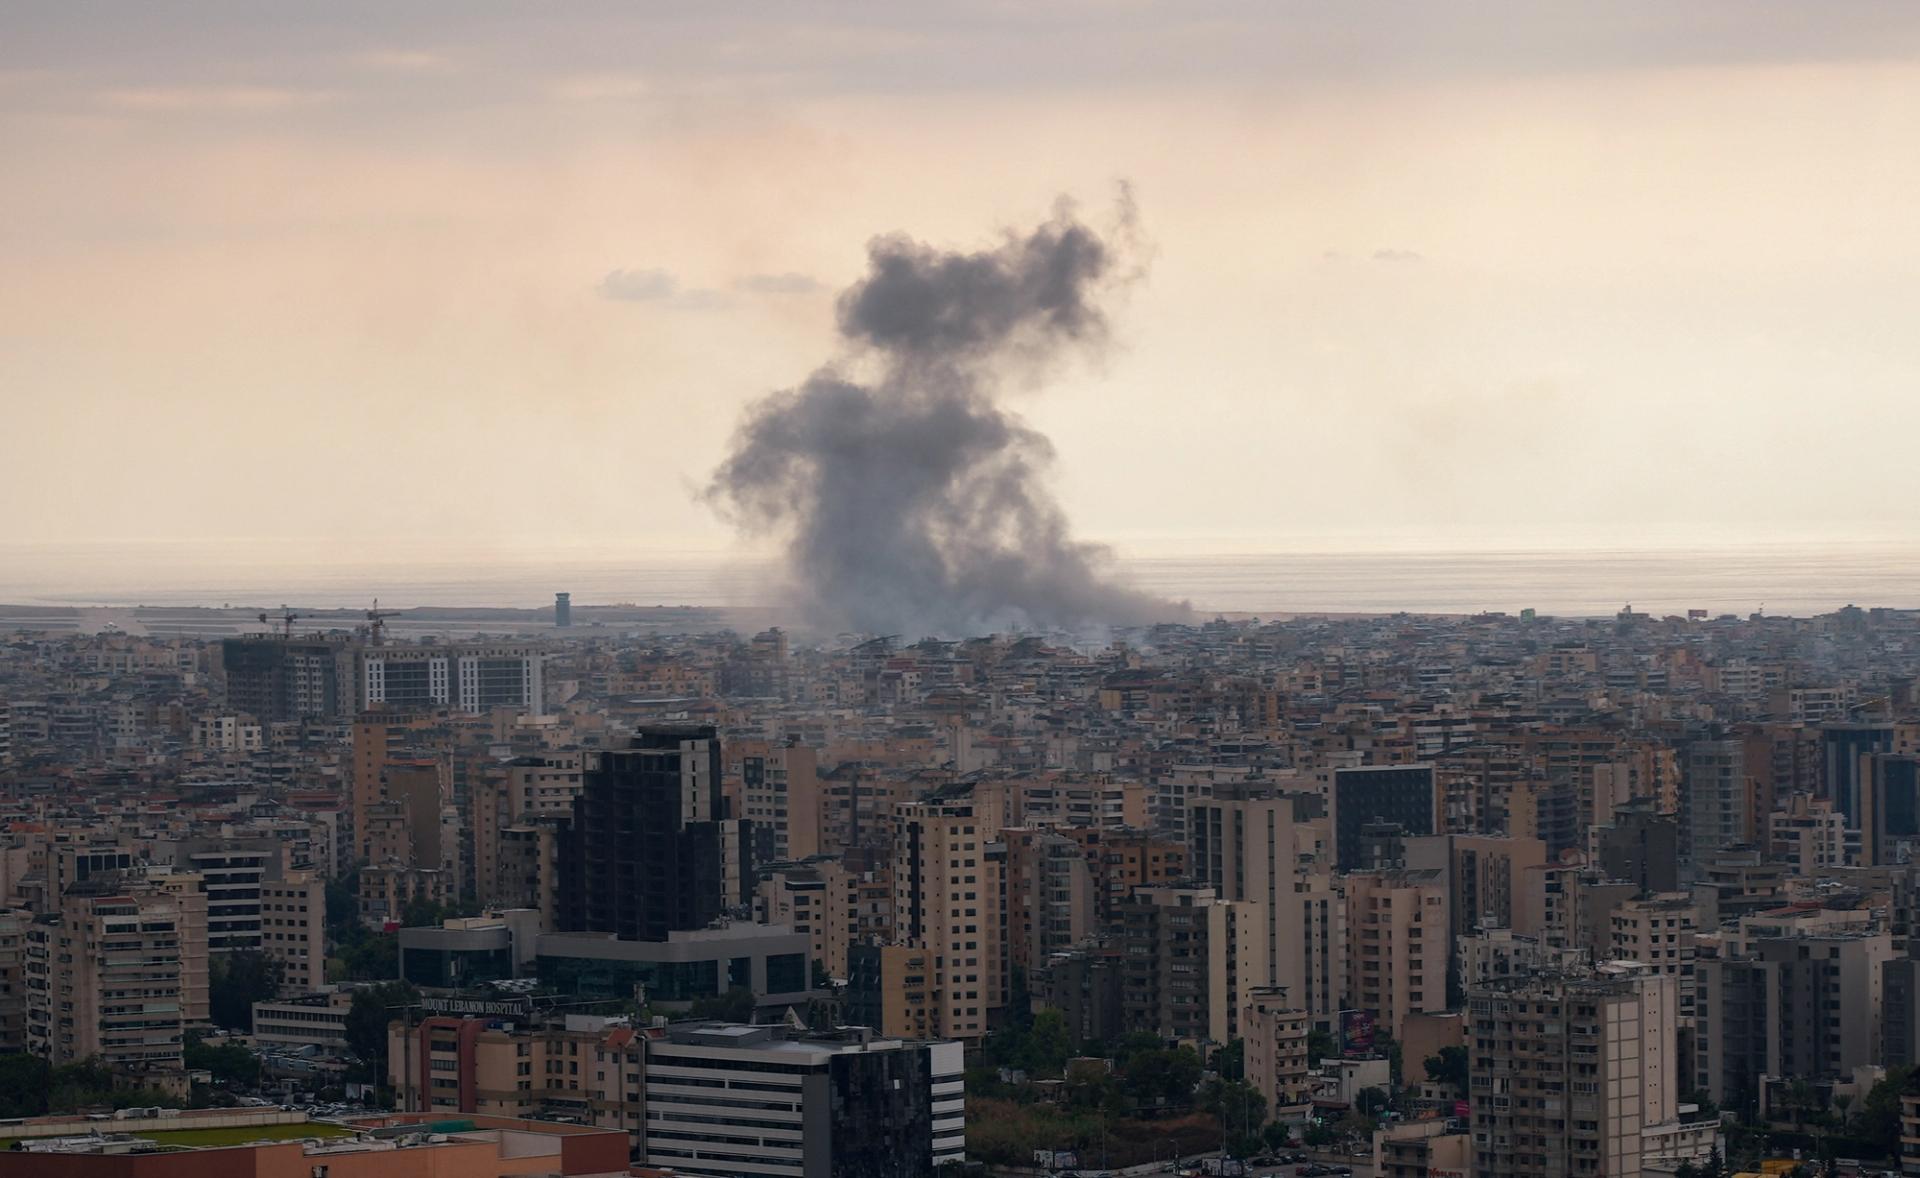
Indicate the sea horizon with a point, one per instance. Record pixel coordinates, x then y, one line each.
1780 577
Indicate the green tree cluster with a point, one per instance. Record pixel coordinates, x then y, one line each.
235 981
31 1087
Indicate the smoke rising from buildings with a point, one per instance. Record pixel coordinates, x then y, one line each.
911 499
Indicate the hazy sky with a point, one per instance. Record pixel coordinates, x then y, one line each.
1432 273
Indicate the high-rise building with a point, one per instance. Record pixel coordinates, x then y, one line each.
1186 964
647 852
276 679
1805 1003
109 979
1566 1073
1404 795
1246 843
726 1100
1659 931
1397 944
1887 788
562 610
467 677
810 897
948 899
255 903
1274 1034
1050 897
1841 775
1641 845
1716 803
779 787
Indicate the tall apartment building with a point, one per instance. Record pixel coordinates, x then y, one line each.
1122 860
648 851
253 902
1404 795
378 737
727 1100
1887 790
1641 845
1483 875
13 980
780 791
812 897
1398 943
1566 1073
948 899
276 679
109 978
1049 894
1810 836
1185 967
1659 931
1843 748
466 677
1806 1004
1274 1032
1716 803
1247 844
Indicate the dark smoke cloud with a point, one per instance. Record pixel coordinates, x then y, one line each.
912 501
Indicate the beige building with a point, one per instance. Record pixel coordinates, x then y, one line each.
1567 1073
1050 895
1245 842
110 979
1659 931
1397 944
893 990
812 898
947 900
582 1065
1273 1033
779 787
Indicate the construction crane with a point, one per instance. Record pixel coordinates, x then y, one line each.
286 618
377 621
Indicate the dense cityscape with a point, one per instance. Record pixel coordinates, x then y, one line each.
1390 896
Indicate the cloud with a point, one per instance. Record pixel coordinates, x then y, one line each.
778 284
639 286
658 286
168 99
601 87
404 61
1398 255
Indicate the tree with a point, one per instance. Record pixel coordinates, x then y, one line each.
735 1006
1049 1044
1241 1111
1231 1061
1162 1077
24 1080
230 1064
373 958
374 1007
1371 1102
1879 1117
1448 1068
235 981
1320 1045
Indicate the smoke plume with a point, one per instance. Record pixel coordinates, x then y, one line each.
912 501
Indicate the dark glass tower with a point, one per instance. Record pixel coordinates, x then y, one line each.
646 853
